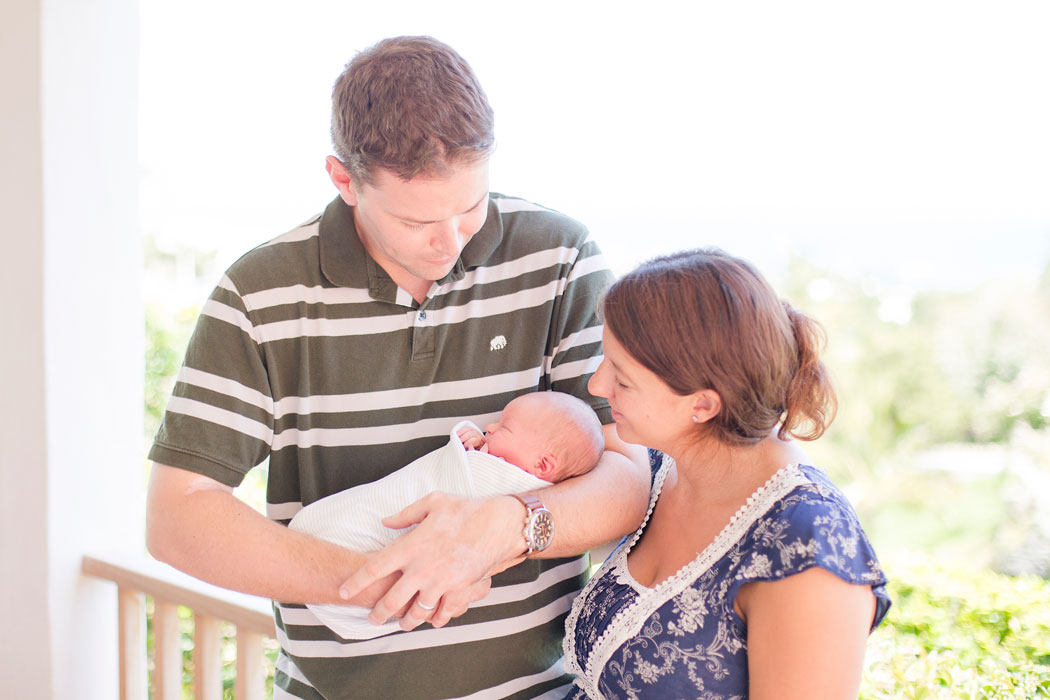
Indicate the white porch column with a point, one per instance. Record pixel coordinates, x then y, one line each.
71 448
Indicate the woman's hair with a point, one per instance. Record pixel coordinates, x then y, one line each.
702 319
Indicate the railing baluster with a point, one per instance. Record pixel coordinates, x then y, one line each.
131 621
248 684
167 651
251 616
207 657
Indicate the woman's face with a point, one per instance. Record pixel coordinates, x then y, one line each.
645 409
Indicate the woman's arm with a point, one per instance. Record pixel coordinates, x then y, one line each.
806 636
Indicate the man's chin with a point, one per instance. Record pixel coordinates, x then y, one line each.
439 270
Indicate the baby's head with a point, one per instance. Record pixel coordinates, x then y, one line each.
548 434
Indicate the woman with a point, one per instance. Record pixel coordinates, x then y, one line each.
751 576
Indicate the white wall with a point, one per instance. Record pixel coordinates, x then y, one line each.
23 454
71 351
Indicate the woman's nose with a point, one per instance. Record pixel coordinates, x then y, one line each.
596 384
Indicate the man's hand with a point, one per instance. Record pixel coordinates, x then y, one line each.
445 563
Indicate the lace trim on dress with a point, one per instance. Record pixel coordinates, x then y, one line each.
630 620
569 644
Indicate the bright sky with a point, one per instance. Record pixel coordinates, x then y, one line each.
902 142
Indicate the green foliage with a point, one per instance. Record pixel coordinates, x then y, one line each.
166 337
959 634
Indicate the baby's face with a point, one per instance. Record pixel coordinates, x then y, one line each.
517 436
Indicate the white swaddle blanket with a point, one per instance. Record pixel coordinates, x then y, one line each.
351 518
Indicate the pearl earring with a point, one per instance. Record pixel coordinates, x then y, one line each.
695 419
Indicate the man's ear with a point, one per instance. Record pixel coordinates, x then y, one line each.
340 177
706 405
546 466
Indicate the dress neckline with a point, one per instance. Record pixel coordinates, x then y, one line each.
731 532
629 619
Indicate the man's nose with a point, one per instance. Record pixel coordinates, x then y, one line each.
447 238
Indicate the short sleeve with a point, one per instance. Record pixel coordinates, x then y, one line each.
814 526
219 419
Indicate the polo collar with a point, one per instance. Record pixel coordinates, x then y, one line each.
346 263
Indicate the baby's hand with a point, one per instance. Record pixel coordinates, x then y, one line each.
471 438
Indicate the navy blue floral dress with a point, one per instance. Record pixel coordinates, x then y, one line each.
682 638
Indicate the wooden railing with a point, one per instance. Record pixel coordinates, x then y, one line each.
211 606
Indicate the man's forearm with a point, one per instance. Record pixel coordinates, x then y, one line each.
594 508
200 527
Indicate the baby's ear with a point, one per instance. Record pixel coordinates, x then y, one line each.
546 466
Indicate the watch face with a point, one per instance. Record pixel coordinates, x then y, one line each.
542 529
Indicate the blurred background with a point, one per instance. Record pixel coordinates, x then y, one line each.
886 165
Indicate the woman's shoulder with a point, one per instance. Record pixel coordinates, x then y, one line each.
814 495
813 524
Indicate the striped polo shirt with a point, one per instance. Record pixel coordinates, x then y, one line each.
308 355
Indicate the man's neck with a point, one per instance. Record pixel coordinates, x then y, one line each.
415 286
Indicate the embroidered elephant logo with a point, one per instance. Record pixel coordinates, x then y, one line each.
497 343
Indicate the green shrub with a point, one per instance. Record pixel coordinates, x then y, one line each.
960 634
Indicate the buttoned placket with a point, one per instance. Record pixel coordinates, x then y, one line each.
422 320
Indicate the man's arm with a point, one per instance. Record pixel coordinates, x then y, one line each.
197 525
459 541
602 505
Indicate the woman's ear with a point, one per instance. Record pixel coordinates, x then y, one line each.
706 405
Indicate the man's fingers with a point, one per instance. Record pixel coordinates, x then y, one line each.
456 603
399 595
418 613
375 568
411 515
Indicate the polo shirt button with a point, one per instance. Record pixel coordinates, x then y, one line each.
422 315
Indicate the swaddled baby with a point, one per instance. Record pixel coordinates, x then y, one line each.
539 439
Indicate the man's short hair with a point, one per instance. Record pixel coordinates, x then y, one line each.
410 105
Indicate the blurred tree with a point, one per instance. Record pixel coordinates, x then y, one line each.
933 391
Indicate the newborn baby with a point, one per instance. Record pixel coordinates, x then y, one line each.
540 438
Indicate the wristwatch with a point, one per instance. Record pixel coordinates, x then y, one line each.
539 524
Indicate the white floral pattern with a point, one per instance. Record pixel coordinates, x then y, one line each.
681 638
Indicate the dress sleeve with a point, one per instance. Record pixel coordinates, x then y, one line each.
811 527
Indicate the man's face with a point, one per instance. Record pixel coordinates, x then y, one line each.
415 229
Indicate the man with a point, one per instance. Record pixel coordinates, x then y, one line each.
350 346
